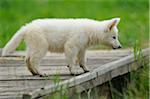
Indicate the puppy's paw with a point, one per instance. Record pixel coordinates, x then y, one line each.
86 71
85 68
40 74
43 75
76 70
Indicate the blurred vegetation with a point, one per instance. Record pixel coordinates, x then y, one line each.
133 25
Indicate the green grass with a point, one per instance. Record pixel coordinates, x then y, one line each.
134 25
139 85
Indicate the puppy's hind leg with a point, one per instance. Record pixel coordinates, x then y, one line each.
32 61
36 50
31 66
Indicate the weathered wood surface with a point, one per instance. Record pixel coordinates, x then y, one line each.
17 82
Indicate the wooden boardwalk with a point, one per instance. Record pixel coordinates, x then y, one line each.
16 82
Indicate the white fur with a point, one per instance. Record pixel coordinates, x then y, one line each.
71 36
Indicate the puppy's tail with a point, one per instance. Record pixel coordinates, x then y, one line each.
14 42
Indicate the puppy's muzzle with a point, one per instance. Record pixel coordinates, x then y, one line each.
117 47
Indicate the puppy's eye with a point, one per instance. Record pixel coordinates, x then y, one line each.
114 37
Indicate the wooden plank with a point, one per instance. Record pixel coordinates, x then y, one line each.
17 88
89 53
85 77
31 77
51 63
15 91
10 97
22 70
25 83
56 62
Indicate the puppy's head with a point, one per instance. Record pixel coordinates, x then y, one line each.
111 33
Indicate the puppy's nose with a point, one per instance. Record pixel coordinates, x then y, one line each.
119 47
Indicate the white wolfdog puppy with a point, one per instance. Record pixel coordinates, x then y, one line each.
71 36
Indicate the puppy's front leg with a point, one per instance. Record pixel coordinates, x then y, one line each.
82 60
71 53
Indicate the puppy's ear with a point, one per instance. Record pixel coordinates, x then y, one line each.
113 22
